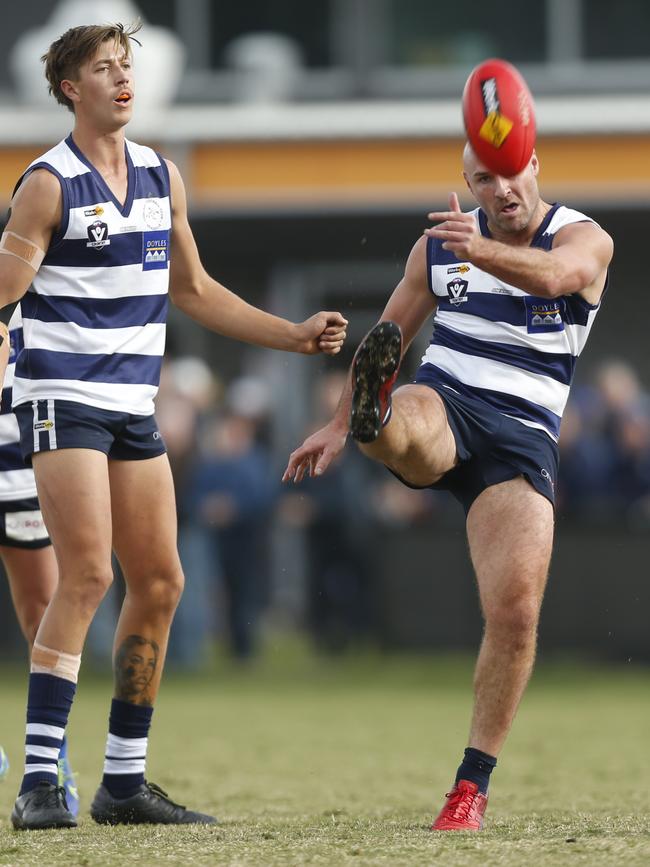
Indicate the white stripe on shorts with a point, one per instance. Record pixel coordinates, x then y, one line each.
35 411
52 430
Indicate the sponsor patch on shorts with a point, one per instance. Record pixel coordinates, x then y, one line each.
25 526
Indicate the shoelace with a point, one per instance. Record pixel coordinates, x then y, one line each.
460 804
50 796
160 793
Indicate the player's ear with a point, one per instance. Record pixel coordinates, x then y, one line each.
69 90
534 162
466 178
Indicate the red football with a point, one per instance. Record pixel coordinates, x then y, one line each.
499 117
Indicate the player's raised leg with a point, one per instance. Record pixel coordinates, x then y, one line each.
144 528
511 578
73 491
408 430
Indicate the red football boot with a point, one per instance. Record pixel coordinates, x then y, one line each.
464 809
374 371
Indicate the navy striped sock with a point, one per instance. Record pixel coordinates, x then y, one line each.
48 706
126 748
476 767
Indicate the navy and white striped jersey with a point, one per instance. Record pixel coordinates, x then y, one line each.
493 341
94 317
16 480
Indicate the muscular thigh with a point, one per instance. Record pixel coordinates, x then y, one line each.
430 450
510 534
144 516
74 495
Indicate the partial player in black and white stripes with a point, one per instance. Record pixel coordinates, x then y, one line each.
30 567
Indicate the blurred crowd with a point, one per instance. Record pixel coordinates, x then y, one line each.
231 504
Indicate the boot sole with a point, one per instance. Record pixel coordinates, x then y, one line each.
376 362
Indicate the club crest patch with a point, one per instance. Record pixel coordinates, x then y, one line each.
543 315
98 235
457 291
152 214
155 250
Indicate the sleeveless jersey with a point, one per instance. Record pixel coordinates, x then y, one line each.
492 341
16 480
94 317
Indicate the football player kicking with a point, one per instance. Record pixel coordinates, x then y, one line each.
515 287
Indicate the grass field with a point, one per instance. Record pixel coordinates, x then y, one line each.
310 762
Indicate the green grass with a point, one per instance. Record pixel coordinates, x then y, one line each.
309 762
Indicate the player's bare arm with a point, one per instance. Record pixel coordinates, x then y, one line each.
409 306
35 214
577 263
217 308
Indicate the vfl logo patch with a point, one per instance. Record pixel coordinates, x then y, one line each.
457 291
154 250
98 235
47 424
543 316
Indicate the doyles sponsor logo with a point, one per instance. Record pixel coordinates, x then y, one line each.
543 316
457 291
98 235
458 269
155 250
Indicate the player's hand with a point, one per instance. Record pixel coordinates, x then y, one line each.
457 230
322 332
316 453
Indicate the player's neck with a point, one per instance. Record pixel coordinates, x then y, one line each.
526 235
105 150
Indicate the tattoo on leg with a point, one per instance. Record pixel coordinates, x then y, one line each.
136 661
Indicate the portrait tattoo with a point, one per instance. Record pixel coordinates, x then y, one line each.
136 661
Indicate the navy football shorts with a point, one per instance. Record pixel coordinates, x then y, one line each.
46 425
492 448
22 525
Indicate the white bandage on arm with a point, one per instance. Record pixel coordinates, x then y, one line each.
14 245
45 660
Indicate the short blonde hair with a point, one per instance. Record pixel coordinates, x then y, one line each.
69 52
